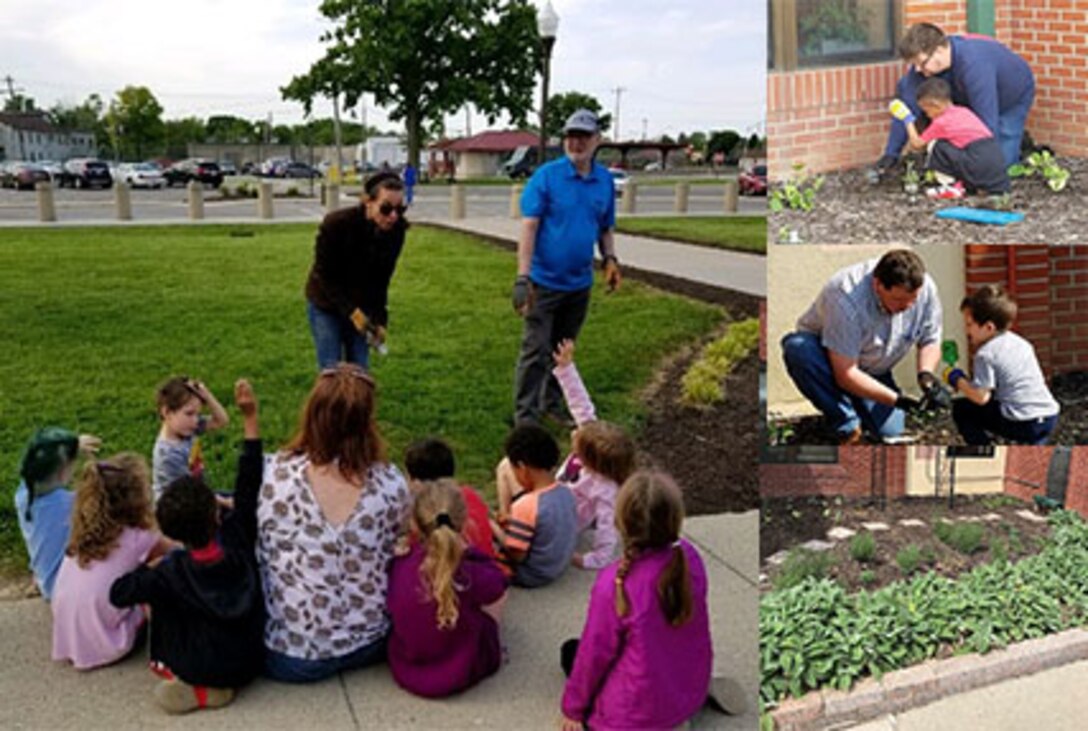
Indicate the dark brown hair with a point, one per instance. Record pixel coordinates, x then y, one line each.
934 88
900 268
990 303
607 450
110 496
921 38
338 424
649 513
175 393
186 511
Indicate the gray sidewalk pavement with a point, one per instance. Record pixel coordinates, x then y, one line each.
41 694
1050 700
717 267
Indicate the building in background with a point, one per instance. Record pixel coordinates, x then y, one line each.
32 136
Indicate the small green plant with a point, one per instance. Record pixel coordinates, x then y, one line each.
1045 166
780 431
293 192
929 556
802 564
797 193
245 190
911 179
867 577
909 559
993 502
963 537
863 547
930 177
999 550
702 385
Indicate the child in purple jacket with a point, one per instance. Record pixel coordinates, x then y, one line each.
644 659
444 600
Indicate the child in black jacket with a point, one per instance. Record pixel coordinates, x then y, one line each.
207 611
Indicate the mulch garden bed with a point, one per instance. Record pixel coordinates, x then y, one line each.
848 209
1070 390
787 523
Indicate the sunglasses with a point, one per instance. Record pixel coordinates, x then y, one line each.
352 370
387 208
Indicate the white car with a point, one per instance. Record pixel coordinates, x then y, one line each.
141 175
619 179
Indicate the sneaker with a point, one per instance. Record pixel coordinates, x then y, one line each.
854 437
175 696
954 191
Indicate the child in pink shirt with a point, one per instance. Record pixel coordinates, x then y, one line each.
957 142
112 533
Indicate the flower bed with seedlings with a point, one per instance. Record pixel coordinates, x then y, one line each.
845 207
818 634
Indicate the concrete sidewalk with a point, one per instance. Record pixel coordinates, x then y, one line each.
705 264
525 694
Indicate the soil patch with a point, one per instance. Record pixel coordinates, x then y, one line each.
850 210
1070 390
787 523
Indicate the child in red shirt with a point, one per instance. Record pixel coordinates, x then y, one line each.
957 142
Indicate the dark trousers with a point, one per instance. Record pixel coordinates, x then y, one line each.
980 165
553 317
976 424
567 653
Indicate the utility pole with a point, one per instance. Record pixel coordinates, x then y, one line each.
336 136
644 120
616 117
468 121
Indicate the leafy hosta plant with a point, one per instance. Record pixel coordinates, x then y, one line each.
1044 165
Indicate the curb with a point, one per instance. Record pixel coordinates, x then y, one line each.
927 682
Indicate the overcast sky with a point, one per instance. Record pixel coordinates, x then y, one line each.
684 65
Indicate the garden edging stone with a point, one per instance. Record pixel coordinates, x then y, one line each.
927 682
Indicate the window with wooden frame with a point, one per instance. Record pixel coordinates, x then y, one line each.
807 33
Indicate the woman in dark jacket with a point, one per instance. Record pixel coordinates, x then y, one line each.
354 258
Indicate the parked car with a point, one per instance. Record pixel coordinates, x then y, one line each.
85 172
522 161
227 167
619 179
753 182
205 172
142 175
54 168
251 168
273 167
23 175
300 170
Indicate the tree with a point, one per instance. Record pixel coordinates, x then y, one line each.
561 106
722 141
86 117
425 59
134 122
226 129
697 140
19 103
178 133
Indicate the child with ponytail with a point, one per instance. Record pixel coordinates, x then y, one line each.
113 531
443 601
644 658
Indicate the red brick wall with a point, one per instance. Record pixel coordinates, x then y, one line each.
1030 464
1052 35
1050 285
951 15
852 476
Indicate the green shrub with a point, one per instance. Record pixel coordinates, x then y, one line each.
702 384
863 547
293 192
802 564
867 577
909 559
999 550
963 537
798 193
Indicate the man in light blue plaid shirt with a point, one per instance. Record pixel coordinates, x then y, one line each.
864 321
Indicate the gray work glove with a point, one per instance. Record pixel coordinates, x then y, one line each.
933 394
521 294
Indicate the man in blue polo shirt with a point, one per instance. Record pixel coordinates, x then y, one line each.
995 83
568 208
865 320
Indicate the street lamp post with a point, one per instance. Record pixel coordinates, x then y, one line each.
547 23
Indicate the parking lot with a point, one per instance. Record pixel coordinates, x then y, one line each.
430 201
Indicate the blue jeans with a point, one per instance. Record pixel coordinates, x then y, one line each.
287 669
976 424
336 337
810 368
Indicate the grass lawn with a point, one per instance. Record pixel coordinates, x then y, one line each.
740 233
92 320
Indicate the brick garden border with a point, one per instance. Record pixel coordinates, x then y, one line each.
927 682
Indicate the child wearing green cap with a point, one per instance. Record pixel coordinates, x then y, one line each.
43 502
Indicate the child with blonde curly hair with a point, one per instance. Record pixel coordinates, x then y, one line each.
113 531
444 600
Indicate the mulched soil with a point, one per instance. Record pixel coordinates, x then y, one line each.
1070 390
787 523
850 210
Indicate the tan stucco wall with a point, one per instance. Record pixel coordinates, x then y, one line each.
795 275
974 475
477 165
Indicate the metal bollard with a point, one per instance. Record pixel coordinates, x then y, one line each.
264 200
680 205
515 200
630 195
47 211
457 201
123 198
196 200
730 196
332 197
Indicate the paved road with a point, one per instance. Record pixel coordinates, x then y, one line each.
431 202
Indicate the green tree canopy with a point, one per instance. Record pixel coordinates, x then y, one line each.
561 106
722 141
229 130
134 123
19 103
178 133
423 59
